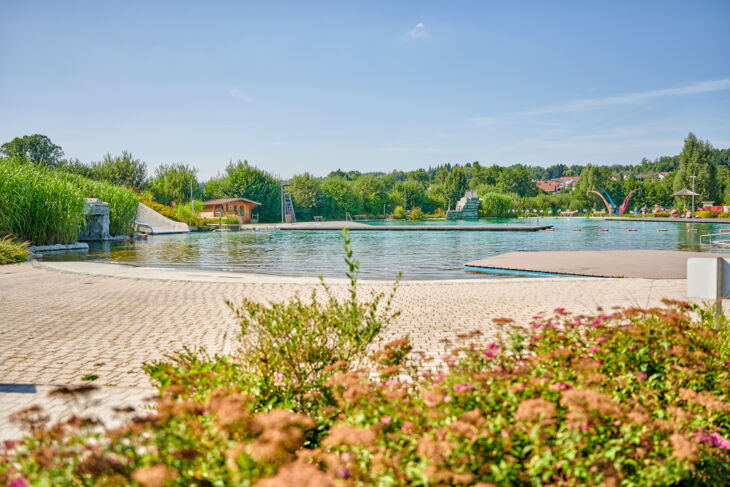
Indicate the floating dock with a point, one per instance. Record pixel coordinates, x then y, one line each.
647 264
357 226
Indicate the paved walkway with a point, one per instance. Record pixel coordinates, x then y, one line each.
59 322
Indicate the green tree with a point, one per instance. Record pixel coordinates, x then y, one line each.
172 183
339 197
516 179
123 170
372 193
408 193
247 181
35 148
592 178
307 195
497 204
455 185
696 160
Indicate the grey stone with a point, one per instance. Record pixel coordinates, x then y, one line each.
97 220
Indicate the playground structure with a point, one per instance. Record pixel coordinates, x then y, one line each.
611 206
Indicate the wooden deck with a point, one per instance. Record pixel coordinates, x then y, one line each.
648 264
357 226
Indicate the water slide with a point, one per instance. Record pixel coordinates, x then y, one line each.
149 221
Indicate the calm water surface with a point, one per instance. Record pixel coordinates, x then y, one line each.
417 254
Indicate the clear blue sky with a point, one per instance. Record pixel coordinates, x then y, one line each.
368 85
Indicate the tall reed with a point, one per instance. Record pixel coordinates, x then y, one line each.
38 205
123 202
45 206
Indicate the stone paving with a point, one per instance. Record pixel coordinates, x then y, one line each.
56 327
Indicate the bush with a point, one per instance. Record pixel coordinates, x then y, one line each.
497 204
661 214
12 251
637 397
39 205
415 214
399 212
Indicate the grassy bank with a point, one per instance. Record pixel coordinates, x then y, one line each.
45 206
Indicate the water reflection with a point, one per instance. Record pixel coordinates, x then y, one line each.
417 254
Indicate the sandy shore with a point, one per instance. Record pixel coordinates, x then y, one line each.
61 321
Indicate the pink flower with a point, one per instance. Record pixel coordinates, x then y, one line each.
594 323
19 482
640 375
464 386
386 420
594 349
407 427
601 339
536 326
493 346
278 379
489 354
536 338
727 363
583 426
346 457
536 317
716 439
559 310
559 385
504 433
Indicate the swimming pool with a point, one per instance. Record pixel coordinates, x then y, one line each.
417 254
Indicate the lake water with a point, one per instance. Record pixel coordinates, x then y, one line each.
417 254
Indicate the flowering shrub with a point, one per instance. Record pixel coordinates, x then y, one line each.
635 397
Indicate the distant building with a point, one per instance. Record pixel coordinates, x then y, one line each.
557 184
225 207
661 175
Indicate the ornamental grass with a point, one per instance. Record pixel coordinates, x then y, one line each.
45 206
38 205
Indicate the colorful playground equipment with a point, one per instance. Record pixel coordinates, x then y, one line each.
611 207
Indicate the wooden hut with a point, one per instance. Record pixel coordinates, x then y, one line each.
225 207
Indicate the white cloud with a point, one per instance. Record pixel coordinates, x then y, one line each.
239 95
418 32
587 104
630 98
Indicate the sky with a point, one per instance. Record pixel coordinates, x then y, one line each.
366 85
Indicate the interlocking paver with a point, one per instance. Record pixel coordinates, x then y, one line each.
55 327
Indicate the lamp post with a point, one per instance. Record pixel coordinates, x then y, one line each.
693 192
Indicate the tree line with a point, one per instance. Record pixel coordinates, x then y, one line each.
504 189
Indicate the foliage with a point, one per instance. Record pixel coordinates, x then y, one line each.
173 183
180 213
696 160
636 397
13 251
231 220
36 148
455 184
399 212
123 202
242 180
39 205
496 204
415 214
122 170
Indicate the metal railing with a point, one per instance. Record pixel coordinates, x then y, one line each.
720 242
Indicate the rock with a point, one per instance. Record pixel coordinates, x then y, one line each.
97 220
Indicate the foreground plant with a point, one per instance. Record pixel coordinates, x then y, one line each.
636 397
13 251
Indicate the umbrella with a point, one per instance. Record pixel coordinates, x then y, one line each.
685 192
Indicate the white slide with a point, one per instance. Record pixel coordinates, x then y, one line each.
149 221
